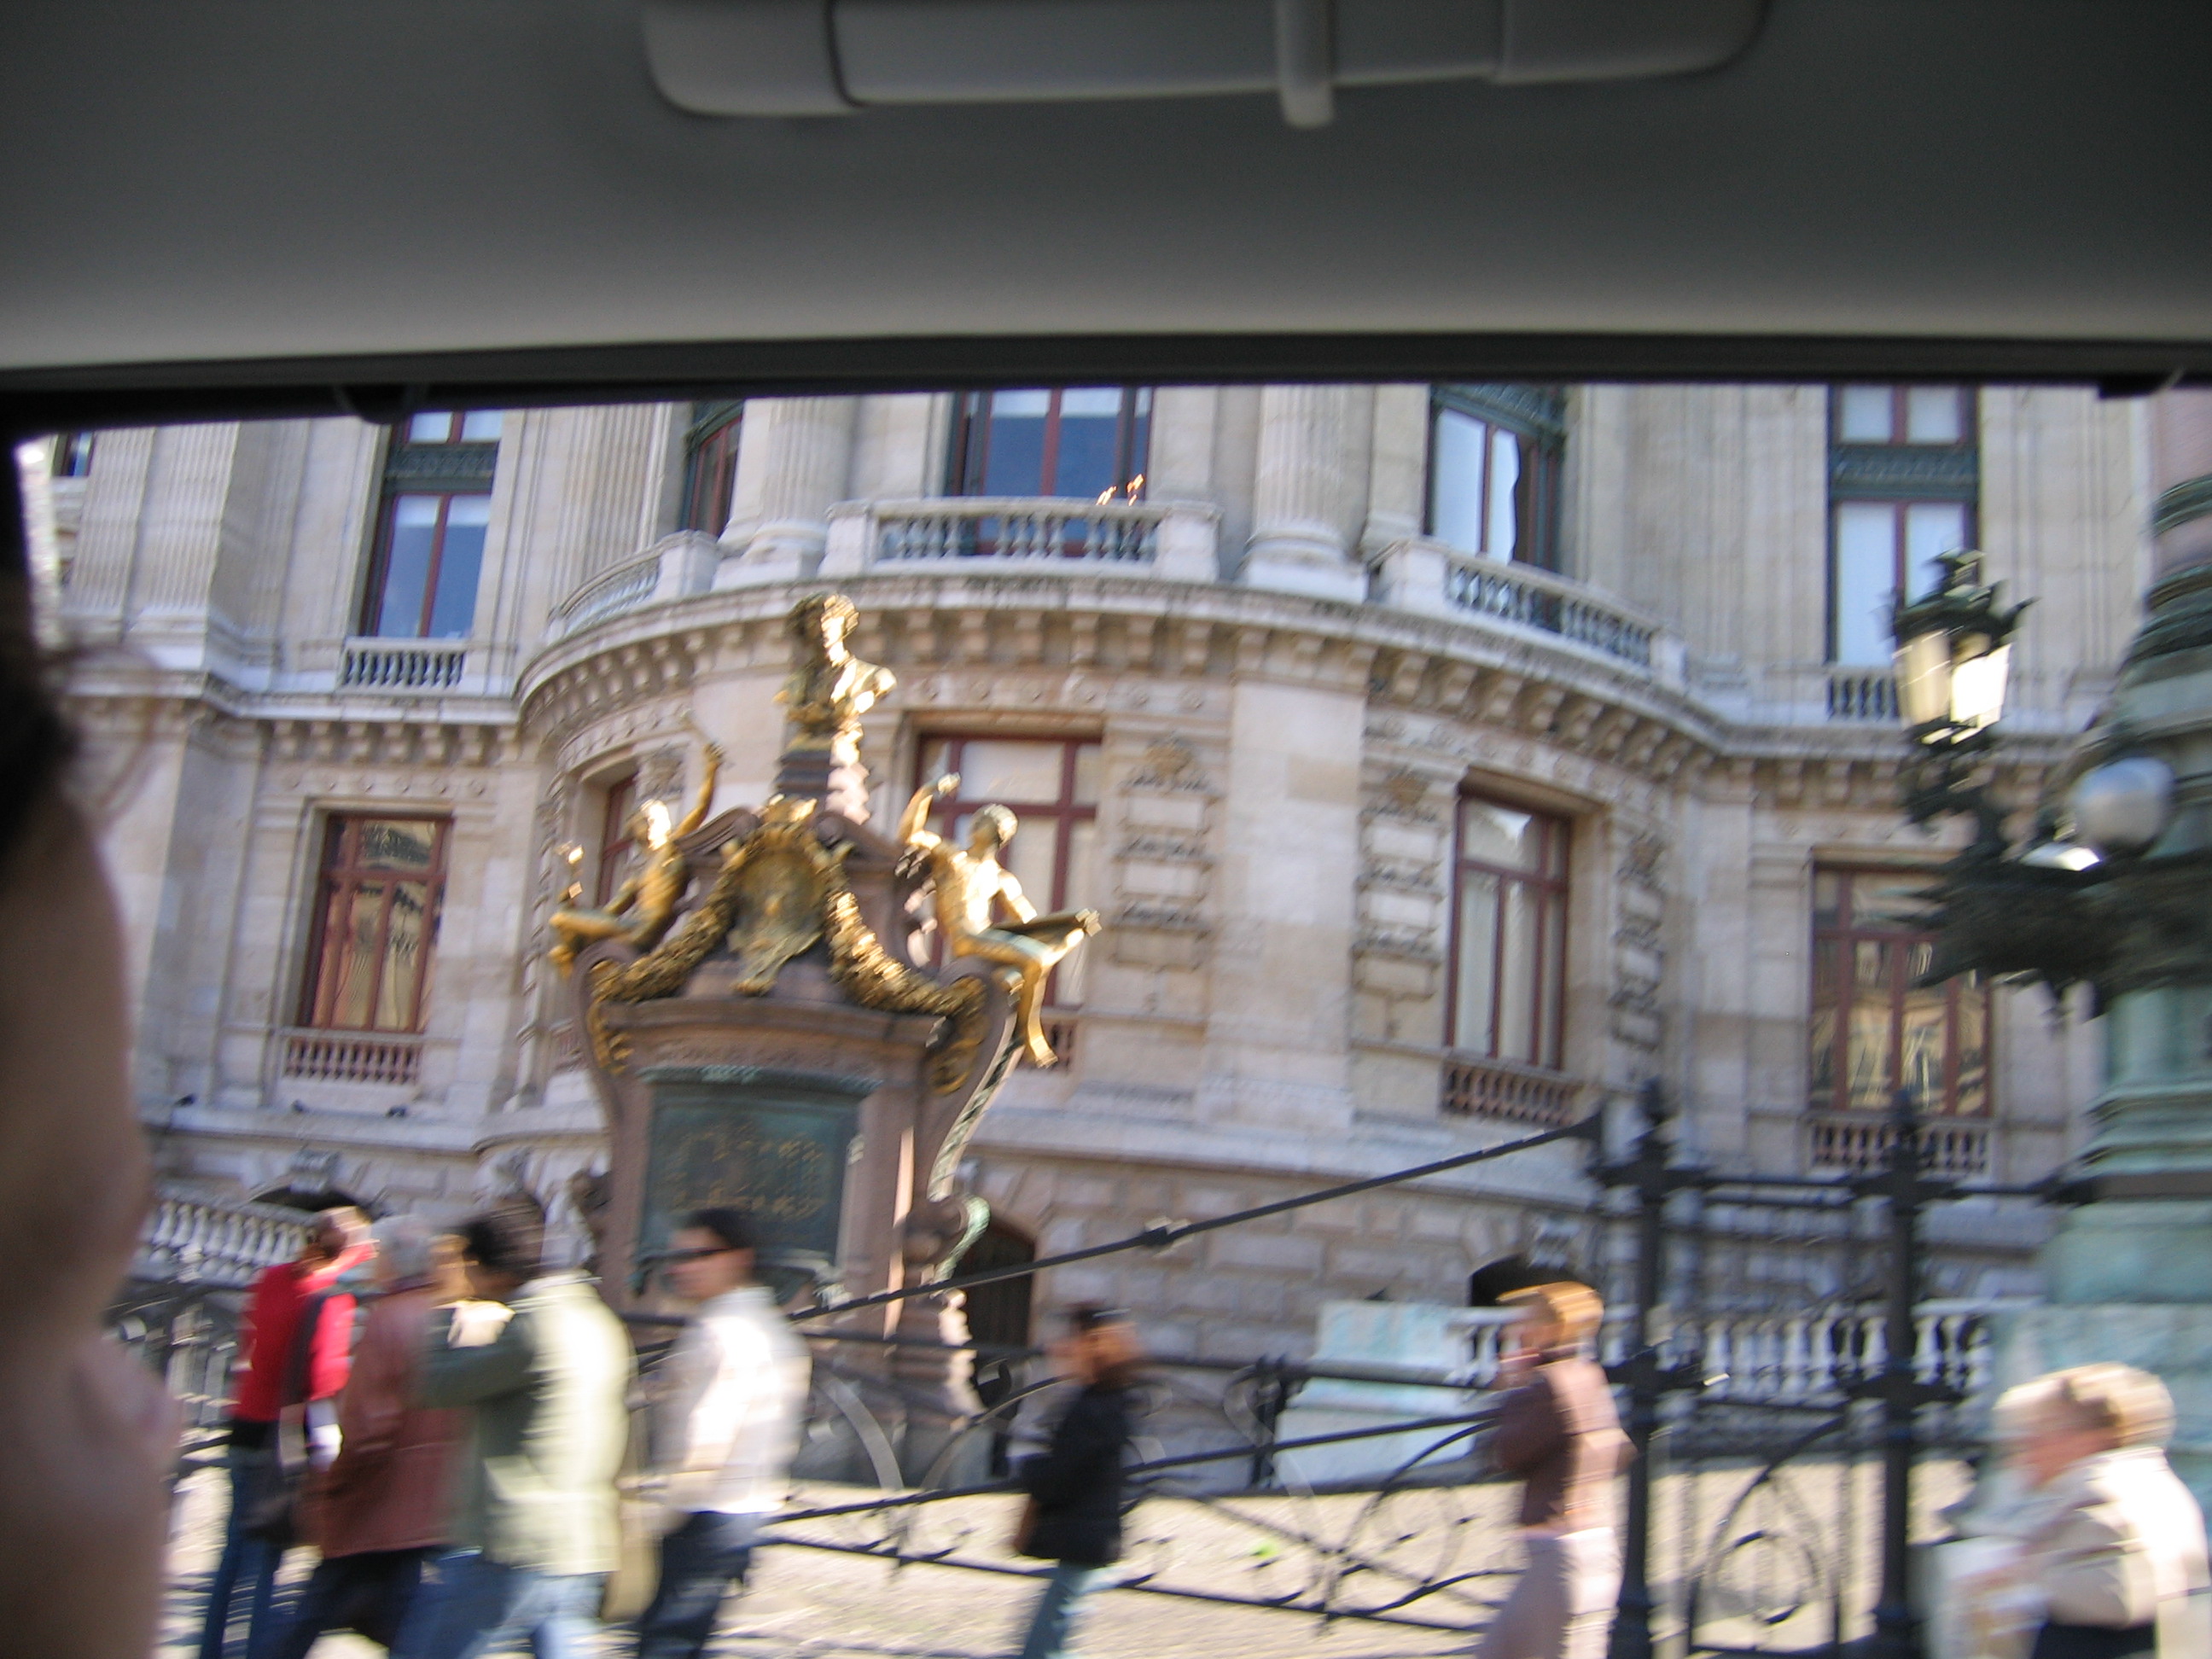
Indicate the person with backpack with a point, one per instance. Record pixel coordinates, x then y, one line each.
297 1340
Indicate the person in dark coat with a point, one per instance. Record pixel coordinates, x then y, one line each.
1073 1518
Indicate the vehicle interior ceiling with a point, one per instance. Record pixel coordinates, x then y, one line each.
262 208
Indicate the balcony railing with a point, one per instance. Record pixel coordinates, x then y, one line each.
351 1057
1426 575
674 568
1157 539
403 665
1490 589
1514 1094
1862 693
1953 1146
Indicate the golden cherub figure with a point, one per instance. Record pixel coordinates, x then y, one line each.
829 688
643 908
982 912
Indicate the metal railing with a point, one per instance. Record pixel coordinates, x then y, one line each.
403 665
351 1057
1514 1094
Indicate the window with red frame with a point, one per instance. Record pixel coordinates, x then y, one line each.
375 920
431 526
710 465
1051 784
1087 442
615 850
1904 483
1508 987
1873 1029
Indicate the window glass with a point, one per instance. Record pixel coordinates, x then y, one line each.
996 769
409 554
1494 456
433 557
1509 945
1931 528
615 850
1932 415
1456 481
1014 464
1502 532
1866 415
434 428
1087 442
483 426
460 562
1866 581
369 958
1873 1030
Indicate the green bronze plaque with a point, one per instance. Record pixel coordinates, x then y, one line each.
774 1143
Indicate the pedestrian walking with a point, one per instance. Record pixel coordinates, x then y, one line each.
1558 1431
2108 1557
281 1357
1073 1517
533 1516
380 1510
724 1430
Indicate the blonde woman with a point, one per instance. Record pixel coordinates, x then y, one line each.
2111 1548
1557 1430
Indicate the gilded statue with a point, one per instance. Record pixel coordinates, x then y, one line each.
982 912
645 904
829 688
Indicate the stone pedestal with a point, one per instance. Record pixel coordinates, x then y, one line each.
834 1123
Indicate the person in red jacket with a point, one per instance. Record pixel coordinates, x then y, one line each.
337 1241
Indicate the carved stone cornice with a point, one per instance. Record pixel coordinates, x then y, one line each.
1070 636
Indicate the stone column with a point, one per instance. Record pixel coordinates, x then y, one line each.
2129 1273
794 462
1302 492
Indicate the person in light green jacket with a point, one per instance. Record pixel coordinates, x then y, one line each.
534 1529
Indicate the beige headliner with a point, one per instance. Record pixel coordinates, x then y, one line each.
254 179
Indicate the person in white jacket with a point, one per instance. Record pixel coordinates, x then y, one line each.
725 1428
2109 1557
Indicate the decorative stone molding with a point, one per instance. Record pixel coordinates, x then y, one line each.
1163 865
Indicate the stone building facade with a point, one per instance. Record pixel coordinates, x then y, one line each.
1444 761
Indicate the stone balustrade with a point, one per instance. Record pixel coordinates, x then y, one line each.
402 668
1170 539
351 1057
1953 1146
206 1242
674 568
1503 1090
1424 575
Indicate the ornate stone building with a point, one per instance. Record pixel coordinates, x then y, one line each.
1444 761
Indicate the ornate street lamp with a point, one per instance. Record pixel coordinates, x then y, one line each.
1954 657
